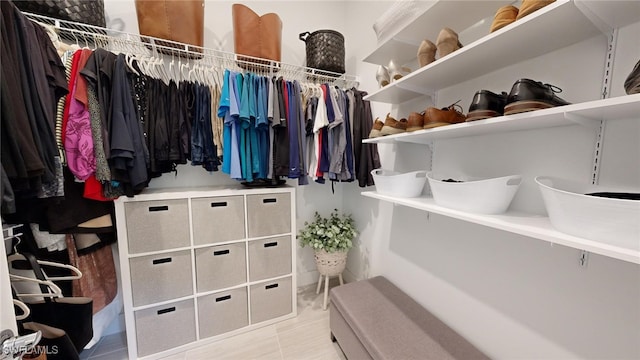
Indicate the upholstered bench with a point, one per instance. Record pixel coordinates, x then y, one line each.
373 319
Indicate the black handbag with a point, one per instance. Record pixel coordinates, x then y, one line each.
325 50
82 11
74 315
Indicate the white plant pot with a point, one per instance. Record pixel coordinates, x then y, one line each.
331 264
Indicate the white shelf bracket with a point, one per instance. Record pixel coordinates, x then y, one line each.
583 120
416 89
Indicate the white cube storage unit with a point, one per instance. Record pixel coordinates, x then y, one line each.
199 265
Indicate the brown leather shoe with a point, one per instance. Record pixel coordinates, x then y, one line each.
434 117
529 6
393 126
504 16
447 42
415 122
375 130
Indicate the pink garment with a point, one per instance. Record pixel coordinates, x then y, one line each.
79 141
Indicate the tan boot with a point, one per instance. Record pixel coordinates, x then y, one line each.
426 53
504 16
529 6
254 35
447 42
393 126
375 130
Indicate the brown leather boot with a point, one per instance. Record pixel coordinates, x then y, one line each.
393 126
504 16
415 122
177 20
529 6
254 35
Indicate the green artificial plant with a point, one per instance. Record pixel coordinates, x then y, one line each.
331 234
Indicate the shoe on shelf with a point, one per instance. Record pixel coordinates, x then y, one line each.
451 114
529 95
426 53
447 42
393 126
415 122
504 16
632 83
375 130
486 104
396 72
529 6
382 76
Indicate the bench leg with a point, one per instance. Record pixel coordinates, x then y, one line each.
326 292
319 284
340 277
333 338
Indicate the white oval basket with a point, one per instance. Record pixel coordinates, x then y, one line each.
331 264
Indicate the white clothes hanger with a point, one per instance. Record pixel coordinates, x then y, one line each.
25 310
19 257
55 291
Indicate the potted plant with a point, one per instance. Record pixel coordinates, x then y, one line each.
331 238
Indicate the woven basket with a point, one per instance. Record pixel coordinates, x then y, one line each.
330 264
87 12
325 50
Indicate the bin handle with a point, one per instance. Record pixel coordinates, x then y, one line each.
220 252
271 244
304 36
271 286
158 208
167 310
223 298
161 261
219 204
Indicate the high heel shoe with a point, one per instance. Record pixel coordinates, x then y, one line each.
447 42
382 76
426 53
397 72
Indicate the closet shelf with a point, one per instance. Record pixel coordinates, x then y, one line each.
536 34
120 41
403 46
530 225
588 114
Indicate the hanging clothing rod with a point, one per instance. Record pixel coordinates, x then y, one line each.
120 41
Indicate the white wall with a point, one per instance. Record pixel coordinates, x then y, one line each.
512 296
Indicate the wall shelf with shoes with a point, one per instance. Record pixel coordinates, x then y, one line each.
531 225
588 114
536 34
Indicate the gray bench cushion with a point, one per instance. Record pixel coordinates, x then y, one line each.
391 325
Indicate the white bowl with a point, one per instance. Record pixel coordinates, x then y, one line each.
404 185
610 221
482 196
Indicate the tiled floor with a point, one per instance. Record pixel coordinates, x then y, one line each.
303 337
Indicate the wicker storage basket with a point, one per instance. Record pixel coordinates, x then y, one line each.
325 50
87 12
330 264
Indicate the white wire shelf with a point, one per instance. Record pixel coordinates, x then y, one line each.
142 45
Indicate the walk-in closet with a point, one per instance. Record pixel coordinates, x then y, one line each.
197 179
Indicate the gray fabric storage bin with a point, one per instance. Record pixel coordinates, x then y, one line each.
270 299
222 312
157 225
160 277
219 267
269 258
217 219
165 327
269 214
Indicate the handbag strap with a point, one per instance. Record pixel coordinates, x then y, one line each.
37 270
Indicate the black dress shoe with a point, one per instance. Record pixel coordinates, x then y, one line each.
632 83
486 104
529 95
